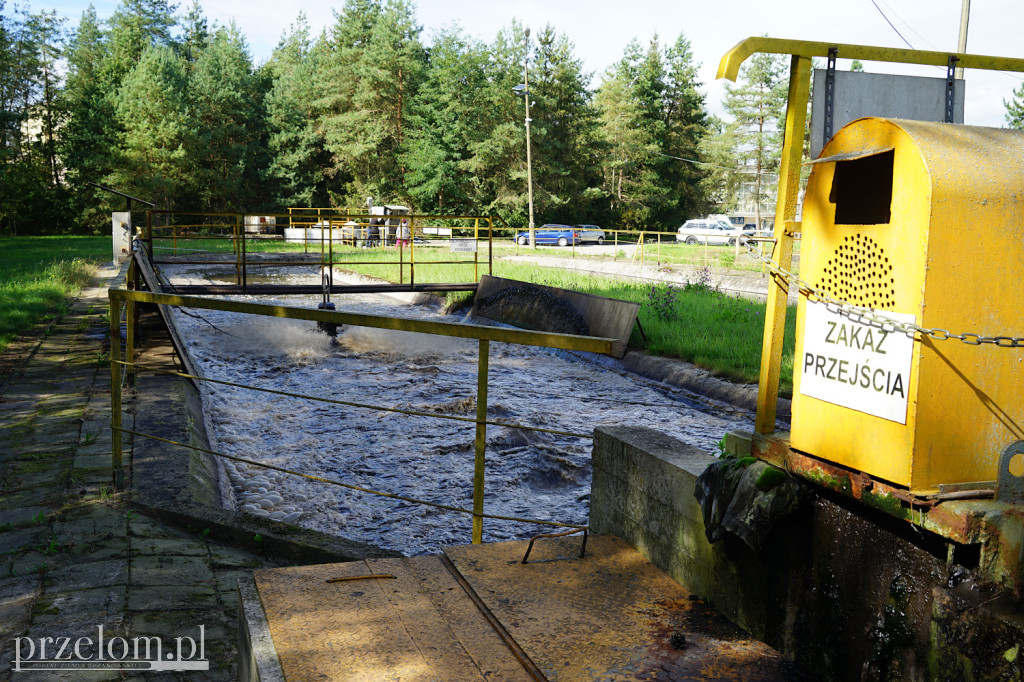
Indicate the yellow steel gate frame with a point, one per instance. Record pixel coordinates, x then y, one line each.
801 52
484 335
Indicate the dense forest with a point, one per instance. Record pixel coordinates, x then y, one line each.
157 103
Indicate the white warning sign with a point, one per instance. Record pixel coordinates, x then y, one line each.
462 245
861 366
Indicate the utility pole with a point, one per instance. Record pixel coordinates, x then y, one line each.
961 46
529 164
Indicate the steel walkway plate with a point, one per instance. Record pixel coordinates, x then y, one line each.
418 625
610 615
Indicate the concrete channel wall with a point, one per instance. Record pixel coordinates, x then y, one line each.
847 593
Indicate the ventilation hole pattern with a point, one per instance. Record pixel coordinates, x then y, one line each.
860 273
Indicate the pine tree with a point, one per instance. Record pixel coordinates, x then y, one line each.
152 158
135 26
295 149
629 164
498 160
448 118
196 36
225 107
377 66
654 120
346 129
1015 109
30 116
90 133
564 126
756 105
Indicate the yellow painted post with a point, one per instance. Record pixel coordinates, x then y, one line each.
616 256
476 256
490 246
240 222
115 392
481 442
131 313
782 253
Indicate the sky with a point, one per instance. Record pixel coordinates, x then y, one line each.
601 29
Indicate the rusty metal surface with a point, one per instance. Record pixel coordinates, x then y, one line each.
611 615
417 626
995 527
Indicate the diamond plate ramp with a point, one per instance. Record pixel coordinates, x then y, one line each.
611 615
418 625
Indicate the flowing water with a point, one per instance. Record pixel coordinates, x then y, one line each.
528 474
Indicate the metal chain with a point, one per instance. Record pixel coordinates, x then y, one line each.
873 317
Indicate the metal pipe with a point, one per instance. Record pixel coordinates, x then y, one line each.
961 46
115 391
481 442
529 162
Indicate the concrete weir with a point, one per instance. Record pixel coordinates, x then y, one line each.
847 592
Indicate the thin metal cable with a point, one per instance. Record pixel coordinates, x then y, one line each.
350 486
346 403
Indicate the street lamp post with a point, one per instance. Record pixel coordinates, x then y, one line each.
524 90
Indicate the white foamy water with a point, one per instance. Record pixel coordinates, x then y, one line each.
528 474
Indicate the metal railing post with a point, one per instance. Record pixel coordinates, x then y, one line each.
115 392
131 313
490 246
481 442
782 252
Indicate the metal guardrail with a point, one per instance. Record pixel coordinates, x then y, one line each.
330 230
130 299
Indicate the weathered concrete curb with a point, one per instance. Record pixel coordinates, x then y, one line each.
701 381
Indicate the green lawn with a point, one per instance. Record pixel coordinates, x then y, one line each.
694 323
39 275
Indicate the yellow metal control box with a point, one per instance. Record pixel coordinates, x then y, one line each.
924 223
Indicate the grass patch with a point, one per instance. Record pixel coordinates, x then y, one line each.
695 322
38 276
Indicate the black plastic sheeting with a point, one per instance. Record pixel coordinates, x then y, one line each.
745 497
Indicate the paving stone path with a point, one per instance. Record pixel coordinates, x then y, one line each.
73 555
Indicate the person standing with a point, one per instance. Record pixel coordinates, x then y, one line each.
404 233
373 236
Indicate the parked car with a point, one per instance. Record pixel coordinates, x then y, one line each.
590 233
713 231
749 224
563 235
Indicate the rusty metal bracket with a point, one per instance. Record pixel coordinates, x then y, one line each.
830 92
1010 486
583 548
951 87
